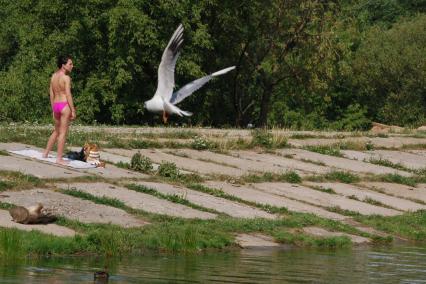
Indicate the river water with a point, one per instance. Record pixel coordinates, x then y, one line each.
353 265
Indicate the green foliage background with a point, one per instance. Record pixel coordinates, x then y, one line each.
300 64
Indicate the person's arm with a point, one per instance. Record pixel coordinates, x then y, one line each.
52 95
69 96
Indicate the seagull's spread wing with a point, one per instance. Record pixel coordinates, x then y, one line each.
166 70
188 89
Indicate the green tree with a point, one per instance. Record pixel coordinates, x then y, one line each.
390 72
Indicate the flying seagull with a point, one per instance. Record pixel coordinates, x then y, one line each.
165 100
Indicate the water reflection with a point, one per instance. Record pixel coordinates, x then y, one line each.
363 265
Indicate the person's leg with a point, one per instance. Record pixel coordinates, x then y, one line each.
63 129
52 138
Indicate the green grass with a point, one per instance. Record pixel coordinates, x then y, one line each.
100 200
340 176
288 176
16 181
325 150
414 146
387 163
313 162
5 185
300 239
176 134
4 153
408 225
10 243
324 189
141 163
265 139
374 202
305 136
396 178
168 235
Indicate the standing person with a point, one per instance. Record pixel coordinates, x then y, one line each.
63 109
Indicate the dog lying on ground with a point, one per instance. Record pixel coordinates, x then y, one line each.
92 155
89 154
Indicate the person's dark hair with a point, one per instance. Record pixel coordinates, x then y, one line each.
62 59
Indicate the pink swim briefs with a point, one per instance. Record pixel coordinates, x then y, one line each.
58 107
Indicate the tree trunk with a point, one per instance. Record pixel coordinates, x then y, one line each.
264 106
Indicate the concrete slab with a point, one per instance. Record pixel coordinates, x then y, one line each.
253 166
379 142
37 169
324 199
284 163
15 146
255 241
111 171
325 141
72 208
408 160
223 205
53 229
362 193
188 164
138 200
253 195
341 163
400 190
323 233
396 142
418 152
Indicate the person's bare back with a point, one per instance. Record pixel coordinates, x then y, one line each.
58 84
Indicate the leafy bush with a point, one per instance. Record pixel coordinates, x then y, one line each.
354 118
168 169
141 163
200 143
345 177
262 137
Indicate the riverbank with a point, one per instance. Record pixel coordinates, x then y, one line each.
197 189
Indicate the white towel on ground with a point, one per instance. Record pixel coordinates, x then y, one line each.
52 159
